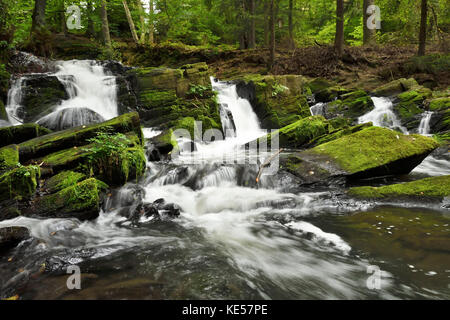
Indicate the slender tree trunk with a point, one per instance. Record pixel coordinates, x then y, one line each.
90 31
368 34
423 28
291 25
130 21
38 18
339 38
151 27
252 35
142 19
272 34
266 25
62 16
105 24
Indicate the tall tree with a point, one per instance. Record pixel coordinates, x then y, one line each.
105 24
423 28
151 27
130 21
272 33
90 30
38 18
291 25
266 25
142 19
252 35
368 33
339 37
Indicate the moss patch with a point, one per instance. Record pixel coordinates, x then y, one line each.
440 104
435 187
19 182
63 180
18 134
374 147
9 157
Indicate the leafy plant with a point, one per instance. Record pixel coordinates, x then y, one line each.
278 89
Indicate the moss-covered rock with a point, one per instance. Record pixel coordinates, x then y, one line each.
435 188
350 105
162 145
9 157
395 87
19 182
300 133
12 236
18 134
3 114
80 200
409 105
79 136
40 93
371 152
277 100
63 180
338 133
438 104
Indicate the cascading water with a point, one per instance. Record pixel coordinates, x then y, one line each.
92 96
424 127
317 109
382 115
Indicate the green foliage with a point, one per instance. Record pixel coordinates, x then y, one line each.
198 91
278 89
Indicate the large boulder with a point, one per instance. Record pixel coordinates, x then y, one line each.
277 100
19 182
409 106
18 134
70 118
351 105
371 152
9 157
434 188
395 87
440 119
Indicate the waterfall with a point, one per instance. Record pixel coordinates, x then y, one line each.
91 90
317 109
424 127
382 115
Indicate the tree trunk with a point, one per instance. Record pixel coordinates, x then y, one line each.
423 28
339 38
151 27
142 20
38 18
62 15
368 34
130 21
265 22
291 25
252 35
272 34
105 24
90 31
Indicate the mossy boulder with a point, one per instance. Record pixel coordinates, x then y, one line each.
409 105
10 237
434 188
81 200
338 133
161 146
395 87
300 133
18 134
19 183
40 94
75 137
9 157
438 104
350 105
371 152
3 114
277 100
63 180
440 119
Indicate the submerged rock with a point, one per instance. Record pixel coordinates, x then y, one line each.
434 188
10 237
70 118
372 152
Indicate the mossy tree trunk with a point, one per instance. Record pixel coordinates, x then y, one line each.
38 17
130 21
291 25
423 28
105 24
151 39
272 34
252 33
339 38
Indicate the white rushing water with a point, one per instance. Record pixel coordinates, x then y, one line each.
424 127
383 115
317 109
92 96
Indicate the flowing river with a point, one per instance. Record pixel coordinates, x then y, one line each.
235 238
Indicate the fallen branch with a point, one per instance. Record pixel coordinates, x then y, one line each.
266 164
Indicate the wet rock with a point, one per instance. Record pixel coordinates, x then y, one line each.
143 210
161 146
19 182
395 87
9 157
70 118
372 152
10 237
24 62
17 134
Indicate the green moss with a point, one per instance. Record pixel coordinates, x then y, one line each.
351 105
440 104
396 87
3 114
18 134
374 147
339 133
9 157
435 187
300 133
410 103
157 98
63 180
19 182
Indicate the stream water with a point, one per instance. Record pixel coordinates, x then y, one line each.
234 239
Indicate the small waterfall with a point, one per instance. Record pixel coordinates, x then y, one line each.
317 109
382 115
92 96
424 127
14 100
